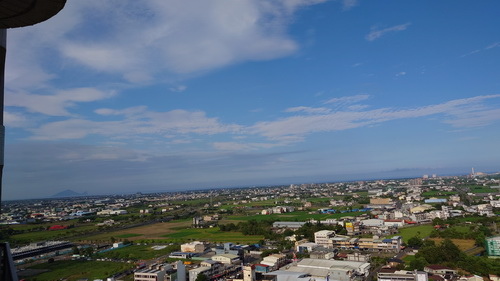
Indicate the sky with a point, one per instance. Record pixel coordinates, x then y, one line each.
121 96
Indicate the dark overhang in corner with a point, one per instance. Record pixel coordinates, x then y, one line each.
19 13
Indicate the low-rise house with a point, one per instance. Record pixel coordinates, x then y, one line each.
294 225
193 247
275 260
227 258
440 270
401 275
332 269
394 223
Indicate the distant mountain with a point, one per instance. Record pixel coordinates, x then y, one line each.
68 193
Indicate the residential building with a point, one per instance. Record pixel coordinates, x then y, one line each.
275 261
324 238
402 275
493 246
439 270
227 258
333 269
193 247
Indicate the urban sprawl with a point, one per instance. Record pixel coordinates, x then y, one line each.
420 229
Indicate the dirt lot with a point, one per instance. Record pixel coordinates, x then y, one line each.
462 244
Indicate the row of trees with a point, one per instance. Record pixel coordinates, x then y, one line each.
448 254
263 227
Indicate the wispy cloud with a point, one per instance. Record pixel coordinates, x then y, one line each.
313 110
178 89
55 104
349 4
348 99
338 114
491 46
135 122
376 33
470 112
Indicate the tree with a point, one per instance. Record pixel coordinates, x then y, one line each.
201 277
418 263
450 251
438 221
415 242
89 251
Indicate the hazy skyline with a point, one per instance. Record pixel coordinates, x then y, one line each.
127 96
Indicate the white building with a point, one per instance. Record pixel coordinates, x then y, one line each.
274 260
227 258
193 247
323 238
372 222
334 269
402 275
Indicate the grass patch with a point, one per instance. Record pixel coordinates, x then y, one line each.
52 234
435 193
74 270
409 232
293 216
483 190
408 258
137 252
128 235
213 235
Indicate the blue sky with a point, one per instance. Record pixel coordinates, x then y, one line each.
124 96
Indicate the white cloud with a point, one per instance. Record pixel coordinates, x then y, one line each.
376 33
15 119
140 40
178 89
357 107
348 99
349 4
315 110
56 104
136 122
402 73
494 45
469 112
238 146
491 46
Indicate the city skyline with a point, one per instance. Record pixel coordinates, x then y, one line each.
129 96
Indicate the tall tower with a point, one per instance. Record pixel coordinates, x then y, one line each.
473 174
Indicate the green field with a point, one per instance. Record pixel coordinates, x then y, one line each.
128 235
52 234
409 232
436 193
213 235
137 252
484 190
293 216
74 270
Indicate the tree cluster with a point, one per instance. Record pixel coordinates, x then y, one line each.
449 254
